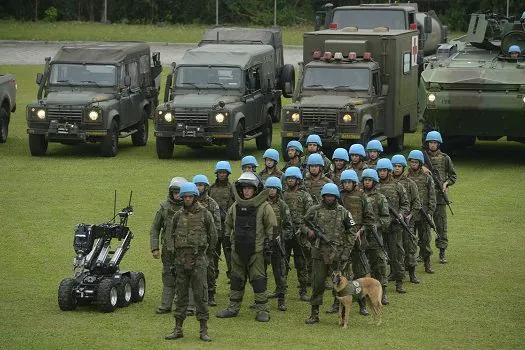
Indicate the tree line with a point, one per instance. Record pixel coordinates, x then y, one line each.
453 13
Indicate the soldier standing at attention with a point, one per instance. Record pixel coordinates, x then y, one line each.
446 174
376 251
249 164
374 148
294 150
357 158
397 201
271 159
299 201
315 178
284 228
427 194
338 226
314 146
340 159
158 230
250 222
202 183
409 239
193 232
222 192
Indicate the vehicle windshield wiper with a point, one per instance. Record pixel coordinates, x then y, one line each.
316 85
342 86
220 84
190 83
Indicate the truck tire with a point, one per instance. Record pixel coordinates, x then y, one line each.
138 286
107 295
235 146
164 147
38 145
276 116
284 151
264 141
366 135
66 297
167 87
395 144
287 75
124 291
140 138
109 146
4 124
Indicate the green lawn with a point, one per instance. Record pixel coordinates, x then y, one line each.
476 301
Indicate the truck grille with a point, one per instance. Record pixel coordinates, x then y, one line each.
195 116
319 117
63 114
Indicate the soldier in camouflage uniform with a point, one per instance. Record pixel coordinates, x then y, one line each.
357 158
442 165
427 194
193 232
250 222
341 159
202 183
375 250
314 146
249 164
358 204
271 160
284 229
294 151
409 238
223 193
397 198
338 226
374 148
160 237
299 201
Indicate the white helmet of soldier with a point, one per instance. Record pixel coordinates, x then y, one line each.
176 182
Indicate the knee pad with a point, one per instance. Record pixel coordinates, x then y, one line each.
259 284
236 283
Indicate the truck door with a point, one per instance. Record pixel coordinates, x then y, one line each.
254 98
136 94
379 103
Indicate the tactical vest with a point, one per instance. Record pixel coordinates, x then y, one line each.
331 221
358 168
353 202
439 164
223 196
314 187
354 289
421 180
276 206
168 210
390 190
191 230
372 164
265 175
409 188
245 232
295 201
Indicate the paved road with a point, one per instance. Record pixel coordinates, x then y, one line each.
33 52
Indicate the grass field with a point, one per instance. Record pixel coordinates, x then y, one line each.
474 302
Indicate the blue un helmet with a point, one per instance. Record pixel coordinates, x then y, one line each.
384 163
357 149
273 182
249 160
224 166
188 188
417 155
434 136
293 171
295 144
314 139
515 48
341 153
315 159
371 174
330 188
374 145
200 179
271 154
399 159
349 175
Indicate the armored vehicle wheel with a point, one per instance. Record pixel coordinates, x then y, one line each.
235 146
109 145
395 144
367 134
276 116
66 297
140 138
284 144
287 76
107 295
164 147
138 286
4 124
124 292
264 141
38 145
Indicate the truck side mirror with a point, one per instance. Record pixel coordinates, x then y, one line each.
127 81
173 65
288 88
39 78
428 24
384 89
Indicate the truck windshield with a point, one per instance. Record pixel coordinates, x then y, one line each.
83 74
208 77
336 77
368 19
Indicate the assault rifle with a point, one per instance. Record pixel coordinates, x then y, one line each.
427 218
400 221
376 237
279 244
319 234
437 180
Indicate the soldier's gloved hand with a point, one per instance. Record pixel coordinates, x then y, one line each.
156 254
267 250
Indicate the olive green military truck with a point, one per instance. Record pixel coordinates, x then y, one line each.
95 93
224 92
355 85
7 103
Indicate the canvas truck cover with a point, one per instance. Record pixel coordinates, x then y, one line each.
99 53
227 55
265 36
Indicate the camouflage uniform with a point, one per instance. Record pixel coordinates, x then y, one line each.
299 164
327 169
158 230
265 174
372 163
358 168
336 175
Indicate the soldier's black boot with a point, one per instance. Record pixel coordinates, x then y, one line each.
362 307
334 308
262 316
400 288
203 333
384 299
314 316
412 275
302 293
428 267
227 313
442 257
281 305
211 299
177 332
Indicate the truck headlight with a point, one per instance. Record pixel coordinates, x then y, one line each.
347 118
41 114
431 98
93 115
523 99
219 117
296 117
168 117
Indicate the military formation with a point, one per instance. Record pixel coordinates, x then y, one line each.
357 213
